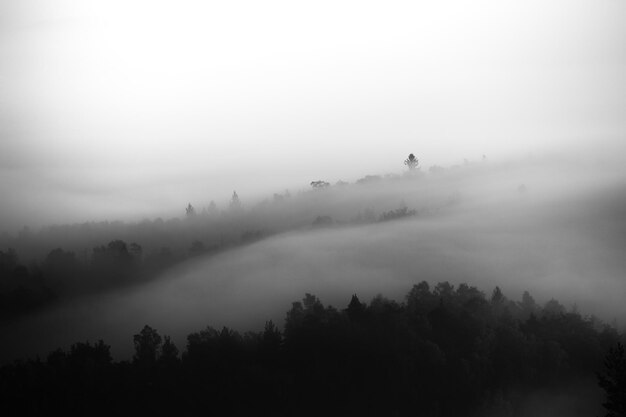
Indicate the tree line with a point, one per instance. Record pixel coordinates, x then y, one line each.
28 285
442 351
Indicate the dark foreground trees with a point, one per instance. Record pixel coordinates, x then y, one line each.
444 351
613 381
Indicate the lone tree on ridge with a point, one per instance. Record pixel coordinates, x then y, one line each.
411 162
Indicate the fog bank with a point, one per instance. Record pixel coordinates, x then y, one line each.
561 235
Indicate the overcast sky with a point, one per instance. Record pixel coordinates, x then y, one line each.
118 109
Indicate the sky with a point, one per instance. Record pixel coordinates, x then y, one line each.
131 109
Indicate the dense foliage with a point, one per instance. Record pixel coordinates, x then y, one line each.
443 351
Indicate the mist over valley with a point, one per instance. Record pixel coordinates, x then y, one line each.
283 208
550 228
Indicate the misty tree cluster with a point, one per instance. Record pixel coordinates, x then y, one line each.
397 214
39 268
443 351
62 274
319 184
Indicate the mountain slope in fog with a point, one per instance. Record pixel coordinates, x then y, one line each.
559 237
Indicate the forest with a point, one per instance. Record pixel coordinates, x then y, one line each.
61 261
412 208
70 293
442 351
43 267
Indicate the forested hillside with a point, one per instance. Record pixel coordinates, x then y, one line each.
442 351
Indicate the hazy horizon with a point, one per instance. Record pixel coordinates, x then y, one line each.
127 110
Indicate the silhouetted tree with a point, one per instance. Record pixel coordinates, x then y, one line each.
190 211
355 309
136 251
528 305
147 346
466 294
169 351
117 249
444 290
444 352
411 162
420 299
271 338
235 203
553 308
497 297
319 184
613 381
396 214
84 354
113 262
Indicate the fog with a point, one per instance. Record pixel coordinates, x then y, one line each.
553 227
127 110
209 164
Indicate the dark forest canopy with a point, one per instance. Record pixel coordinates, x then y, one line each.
442 351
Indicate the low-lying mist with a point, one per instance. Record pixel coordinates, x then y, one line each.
557 233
